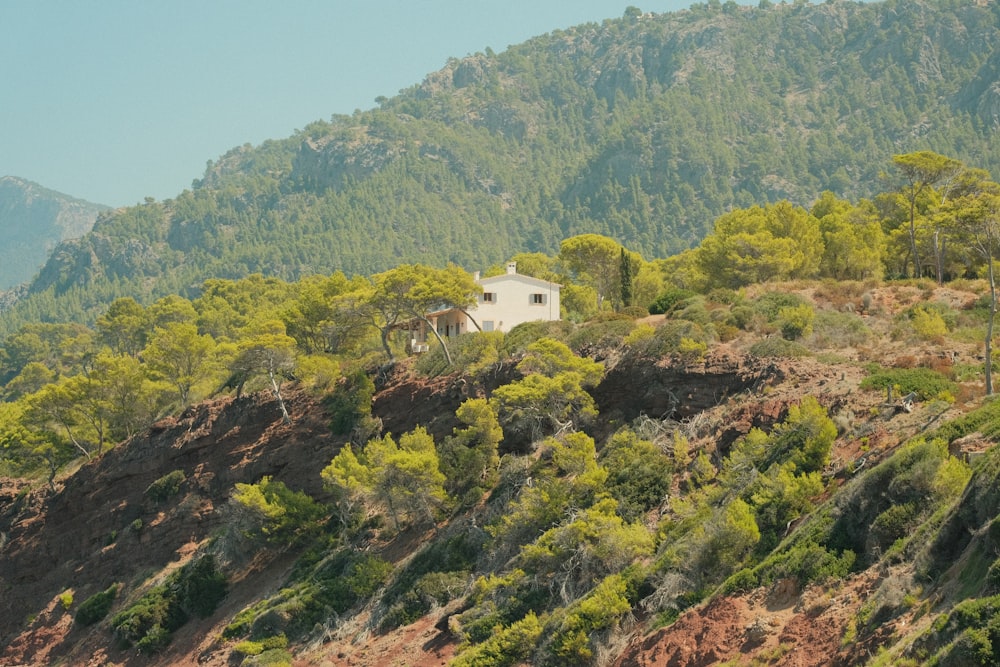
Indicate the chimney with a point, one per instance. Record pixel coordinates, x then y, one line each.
475 276
511 268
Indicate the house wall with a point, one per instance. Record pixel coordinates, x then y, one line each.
516 300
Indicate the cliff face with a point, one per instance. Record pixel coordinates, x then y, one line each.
32 221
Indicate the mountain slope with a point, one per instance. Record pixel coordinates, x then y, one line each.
643 128
33 220
905 586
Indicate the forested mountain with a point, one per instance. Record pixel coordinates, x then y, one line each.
32 221
642 128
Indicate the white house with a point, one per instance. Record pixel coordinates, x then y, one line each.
507 300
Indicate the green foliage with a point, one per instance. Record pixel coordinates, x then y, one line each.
836 330
350 401
405 479
472 354
96 607
761 244
469 458
728 536
670 299
520 337
674 337
195 589
551 394
277 513
437 574
570 643
325 590
574 478
599 335
508 646
779 348
924 382
639 474
165 487
795 322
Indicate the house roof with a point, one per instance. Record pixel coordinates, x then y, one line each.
528 280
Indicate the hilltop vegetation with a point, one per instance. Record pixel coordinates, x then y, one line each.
790 419
644 129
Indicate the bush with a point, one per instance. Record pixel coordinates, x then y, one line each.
832 329
795 321
276 512
197 588
506 645
520 337
769 305
669 299
600 335
779 348
96 607
350 401
924 382
166 486
673 337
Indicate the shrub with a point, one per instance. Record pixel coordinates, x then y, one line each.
197 588
66 599
779 348
832 329
795 321
166 486
506 646
520 337
928 324
769 304
96 607
670 299
350 401
600 335
276 512
924 382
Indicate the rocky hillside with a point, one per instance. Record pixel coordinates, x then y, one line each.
33 220
907 577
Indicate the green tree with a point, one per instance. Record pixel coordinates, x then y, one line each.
412 291
920 171
181 356
469 458
975 217
728 537
124 327
405 478
595 260
552 396
759 244
853 240
269 351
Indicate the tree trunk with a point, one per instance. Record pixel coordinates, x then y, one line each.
277 394
444 346
385 343
913 235
989 326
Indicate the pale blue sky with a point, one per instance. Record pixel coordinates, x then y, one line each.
116 100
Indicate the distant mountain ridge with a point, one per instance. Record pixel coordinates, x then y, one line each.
33 220
643 128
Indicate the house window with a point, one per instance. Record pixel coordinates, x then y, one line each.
487 325
538 299
489 297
